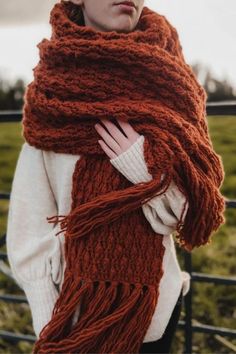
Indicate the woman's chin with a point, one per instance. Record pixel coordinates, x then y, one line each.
125 27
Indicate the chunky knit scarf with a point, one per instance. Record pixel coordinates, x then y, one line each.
113 256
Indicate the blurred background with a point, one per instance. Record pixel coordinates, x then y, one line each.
207 33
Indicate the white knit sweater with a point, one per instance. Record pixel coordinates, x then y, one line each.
42 187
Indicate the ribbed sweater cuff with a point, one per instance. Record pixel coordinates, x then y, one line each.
41 295
131 163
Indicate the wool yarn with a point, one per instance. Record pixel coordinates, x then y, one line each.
113 256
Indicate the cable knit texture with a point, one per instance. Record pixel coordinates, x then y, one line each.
114 259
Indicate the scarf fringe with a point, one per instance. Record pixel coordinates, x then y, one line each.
114 318
107 208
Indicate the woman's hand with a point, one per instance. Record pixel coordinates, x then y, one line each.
115 142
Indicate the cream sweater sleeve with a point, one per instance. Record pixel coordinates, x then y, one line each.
33 250
163 211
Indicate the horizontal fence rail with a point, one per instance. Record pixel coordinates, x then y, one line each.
213 108
10 116
221 108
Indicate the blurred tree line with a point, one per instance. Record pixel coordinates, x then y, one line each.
11 95
217 90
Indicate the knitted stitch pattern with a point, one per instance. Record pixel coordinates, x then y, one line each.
113 256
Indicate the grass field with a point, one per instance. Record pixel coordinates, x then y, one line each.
214 305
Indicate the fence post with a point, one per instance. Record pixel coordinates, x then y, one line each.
188 305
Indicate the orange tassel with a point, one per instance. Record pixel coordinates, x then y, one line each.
114 318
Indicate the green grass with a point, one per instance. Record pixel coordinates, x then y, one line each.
10 144
212 304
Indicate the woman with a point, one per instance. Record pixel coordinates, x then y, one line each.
42 185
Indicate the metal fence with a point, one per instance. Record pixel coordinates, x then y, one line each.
213 108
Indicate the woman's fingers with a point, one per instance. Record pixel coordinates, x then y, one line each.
109 140
129 130
116 140
107 150
124 137
115 132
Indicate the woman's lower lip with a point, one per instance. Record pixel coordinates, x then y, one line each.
127 8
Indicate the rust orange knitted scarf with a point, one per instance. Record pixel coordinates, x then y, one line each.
113 256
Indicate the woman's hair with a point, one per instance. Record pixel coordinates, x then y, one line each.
77 15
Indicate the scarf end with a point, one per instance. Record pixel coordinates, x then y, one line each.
113 318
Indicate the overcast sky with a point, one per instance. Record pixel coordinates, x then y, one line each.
206 29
